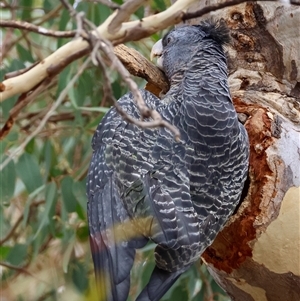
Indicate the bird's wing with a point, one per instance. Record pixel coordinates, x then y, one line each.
112 240
114 180
113 248
138 177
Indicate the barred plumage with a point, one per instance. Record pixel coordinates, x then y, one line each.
143 185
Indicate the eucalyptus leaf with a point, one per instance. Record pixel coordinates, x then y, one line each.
68 197
68 253
50 197
29 172
8 180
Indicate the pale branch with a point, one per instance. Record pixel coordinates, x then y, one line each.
132 30
37 29
123 14
43 122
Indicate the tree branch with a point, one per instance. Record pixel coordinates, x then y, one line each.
133 30
123 14
139 66
37 29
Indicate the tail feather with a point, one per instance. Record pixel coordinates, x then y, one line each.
159 283
112 244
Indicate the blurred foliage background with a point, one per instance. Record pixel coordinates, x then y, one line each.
44 248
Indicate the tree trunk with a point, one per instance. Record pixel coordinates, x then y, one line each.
257 256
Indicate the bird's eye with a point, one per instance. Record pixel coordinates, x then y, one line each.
169 39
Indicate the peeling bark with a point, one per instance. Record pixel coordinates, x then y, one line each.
257 255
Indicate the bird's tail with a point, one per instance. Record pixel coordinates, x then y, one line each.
113 243
159 283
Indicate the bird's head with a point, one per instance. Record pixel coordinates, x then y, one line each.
176 50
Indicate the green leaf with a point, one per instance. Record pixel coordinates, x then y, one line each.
4 251
63 21
117 90
68 253
8 180
82 233
81 90
80 212
29 172
178 291
26 9
17 254
30 146
140 12
48 153
79 276
78 190
28 203
24 54
159 5
200 296
98 13
68 197
222 296
63 80
50 197
51 4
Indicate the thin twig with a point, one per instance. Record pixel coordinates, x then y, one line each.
61 97
16 268
37 29
7 47
22 102
107 3
12 230
19 72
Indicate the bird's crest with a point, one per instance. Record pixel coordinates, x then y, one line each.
217 30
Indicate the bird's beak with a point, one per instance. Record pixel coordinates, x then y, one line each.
157 50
